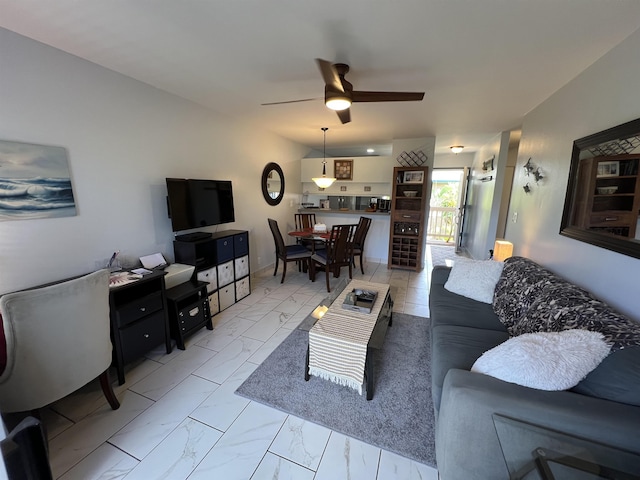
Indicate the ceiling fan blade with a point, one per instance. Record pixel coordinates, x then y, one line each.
292 101
330 75
344 115
386 96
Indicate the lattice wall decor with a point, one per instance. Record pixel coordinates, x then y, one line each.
616 147
412 159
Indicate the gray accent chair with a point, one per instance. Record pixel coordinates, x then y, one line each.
57 340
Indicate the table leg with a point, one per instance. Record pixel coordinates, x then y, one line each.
306 366
368 373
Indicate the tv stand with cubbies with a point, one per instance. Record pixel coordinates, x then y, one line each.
222 260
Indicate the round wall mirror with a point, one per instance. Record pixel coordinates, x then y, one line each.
272 183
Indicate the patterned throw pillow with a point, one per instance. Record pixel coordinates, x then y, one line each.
565 306
519 286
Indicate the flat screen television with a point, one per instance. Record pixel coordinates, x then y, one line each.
199 203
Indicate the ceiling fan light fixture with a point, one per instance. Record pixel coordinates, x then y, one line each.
457 148
324 181
338 102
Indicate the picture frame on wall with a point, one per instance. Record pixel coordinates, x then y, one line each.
413 177
343 169
608 169
36 182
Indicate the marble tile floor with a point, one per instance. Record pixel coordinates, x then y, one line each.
180 419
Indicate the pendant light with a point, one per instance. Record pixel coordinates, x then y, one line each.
324 181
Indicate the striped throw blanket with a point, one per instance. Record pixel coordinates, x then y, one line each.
338 341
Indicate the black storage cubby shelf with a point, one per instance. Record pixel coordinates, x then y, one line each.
222 261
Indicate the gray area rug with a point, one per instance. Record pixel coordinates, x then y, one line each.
400 416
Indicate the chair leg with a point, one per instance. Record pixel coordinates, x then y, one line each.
361 264
276 270
107 389
284 271
326 273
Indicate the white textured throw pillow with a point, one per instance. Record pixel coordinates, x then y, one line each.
545 360
474 279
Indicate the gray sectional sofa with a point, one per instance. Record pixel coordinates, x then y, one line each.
604 407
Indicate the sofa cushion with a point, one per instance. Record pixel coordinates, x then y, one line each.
617 378
457 347
475 279
545 360
448 308
520 284
564 306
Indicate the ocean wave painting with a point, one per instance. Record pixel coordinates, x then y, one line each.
34 182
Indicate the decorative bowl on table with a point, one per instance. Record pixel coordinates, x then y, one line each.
607 190
410 193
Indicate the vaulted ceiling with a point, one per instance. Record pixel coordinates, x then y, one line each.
483 64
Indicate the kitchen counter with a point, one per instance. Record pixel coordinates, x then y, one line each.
324 211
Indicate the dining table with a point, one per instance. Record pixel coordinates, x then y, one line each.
310 234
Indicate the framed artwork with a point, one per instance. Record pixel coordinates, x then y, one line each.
343 169
413 177
34 182
608 169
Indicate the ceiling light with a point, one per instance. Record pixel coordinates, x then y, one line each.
338 102
457 148
324 181
370 150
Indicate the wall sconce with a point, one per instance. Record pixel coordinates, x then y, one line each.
502 250
527 188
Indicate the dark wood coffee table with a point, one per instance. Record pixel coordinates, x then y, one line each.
376 341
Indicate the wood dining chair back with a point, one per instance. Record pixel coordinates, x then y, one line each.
304 220
337 254
358 240
286 253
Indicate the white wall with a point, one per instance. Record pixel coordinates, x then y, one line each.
603 96
453 160
483 202
123 138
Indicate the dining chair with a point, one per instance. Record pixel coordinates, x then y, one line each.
358 240
57 340
337 254
287 253
305 221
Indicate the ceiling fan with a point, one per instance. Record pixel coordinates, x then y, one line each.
339 93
